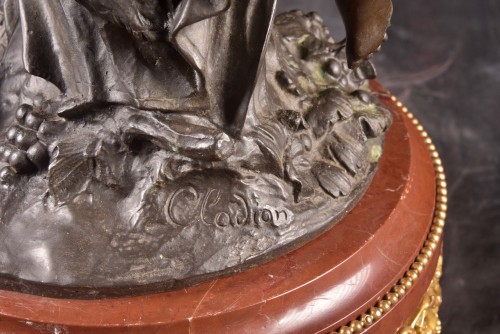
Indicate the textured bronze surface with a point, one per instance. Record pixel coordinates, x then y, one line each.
149 146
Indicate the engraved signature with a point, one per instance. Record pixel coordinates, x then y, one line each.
187 206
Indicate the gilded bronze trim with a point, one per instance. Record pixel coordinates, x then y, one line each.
426 319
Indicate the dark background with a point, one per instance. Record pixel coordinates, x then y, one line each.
443 61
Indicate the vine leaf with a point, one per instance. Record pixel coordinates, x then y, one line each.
332 179
348 151
329 108
272 140
79 160
71 169
298 165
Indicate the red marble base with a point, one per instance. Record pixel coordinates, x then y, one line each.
316 289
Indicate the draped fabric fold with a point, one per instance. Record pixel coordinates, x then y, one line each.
229 56
206 59
51 45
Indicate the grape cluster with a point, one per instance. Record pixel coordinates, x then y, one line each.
22 150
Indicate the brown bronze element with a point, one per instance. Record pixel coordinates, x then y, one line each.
366 23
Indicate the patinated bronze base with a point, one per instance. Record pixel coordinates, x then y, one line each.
368 274
142 198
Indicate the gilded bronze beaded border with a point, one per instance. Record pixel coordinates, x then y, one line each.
390 299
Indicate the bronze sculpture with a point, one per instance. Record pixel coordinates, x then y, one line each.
161 143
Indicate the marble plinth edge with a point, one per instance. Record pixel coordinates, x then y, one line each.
417 295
